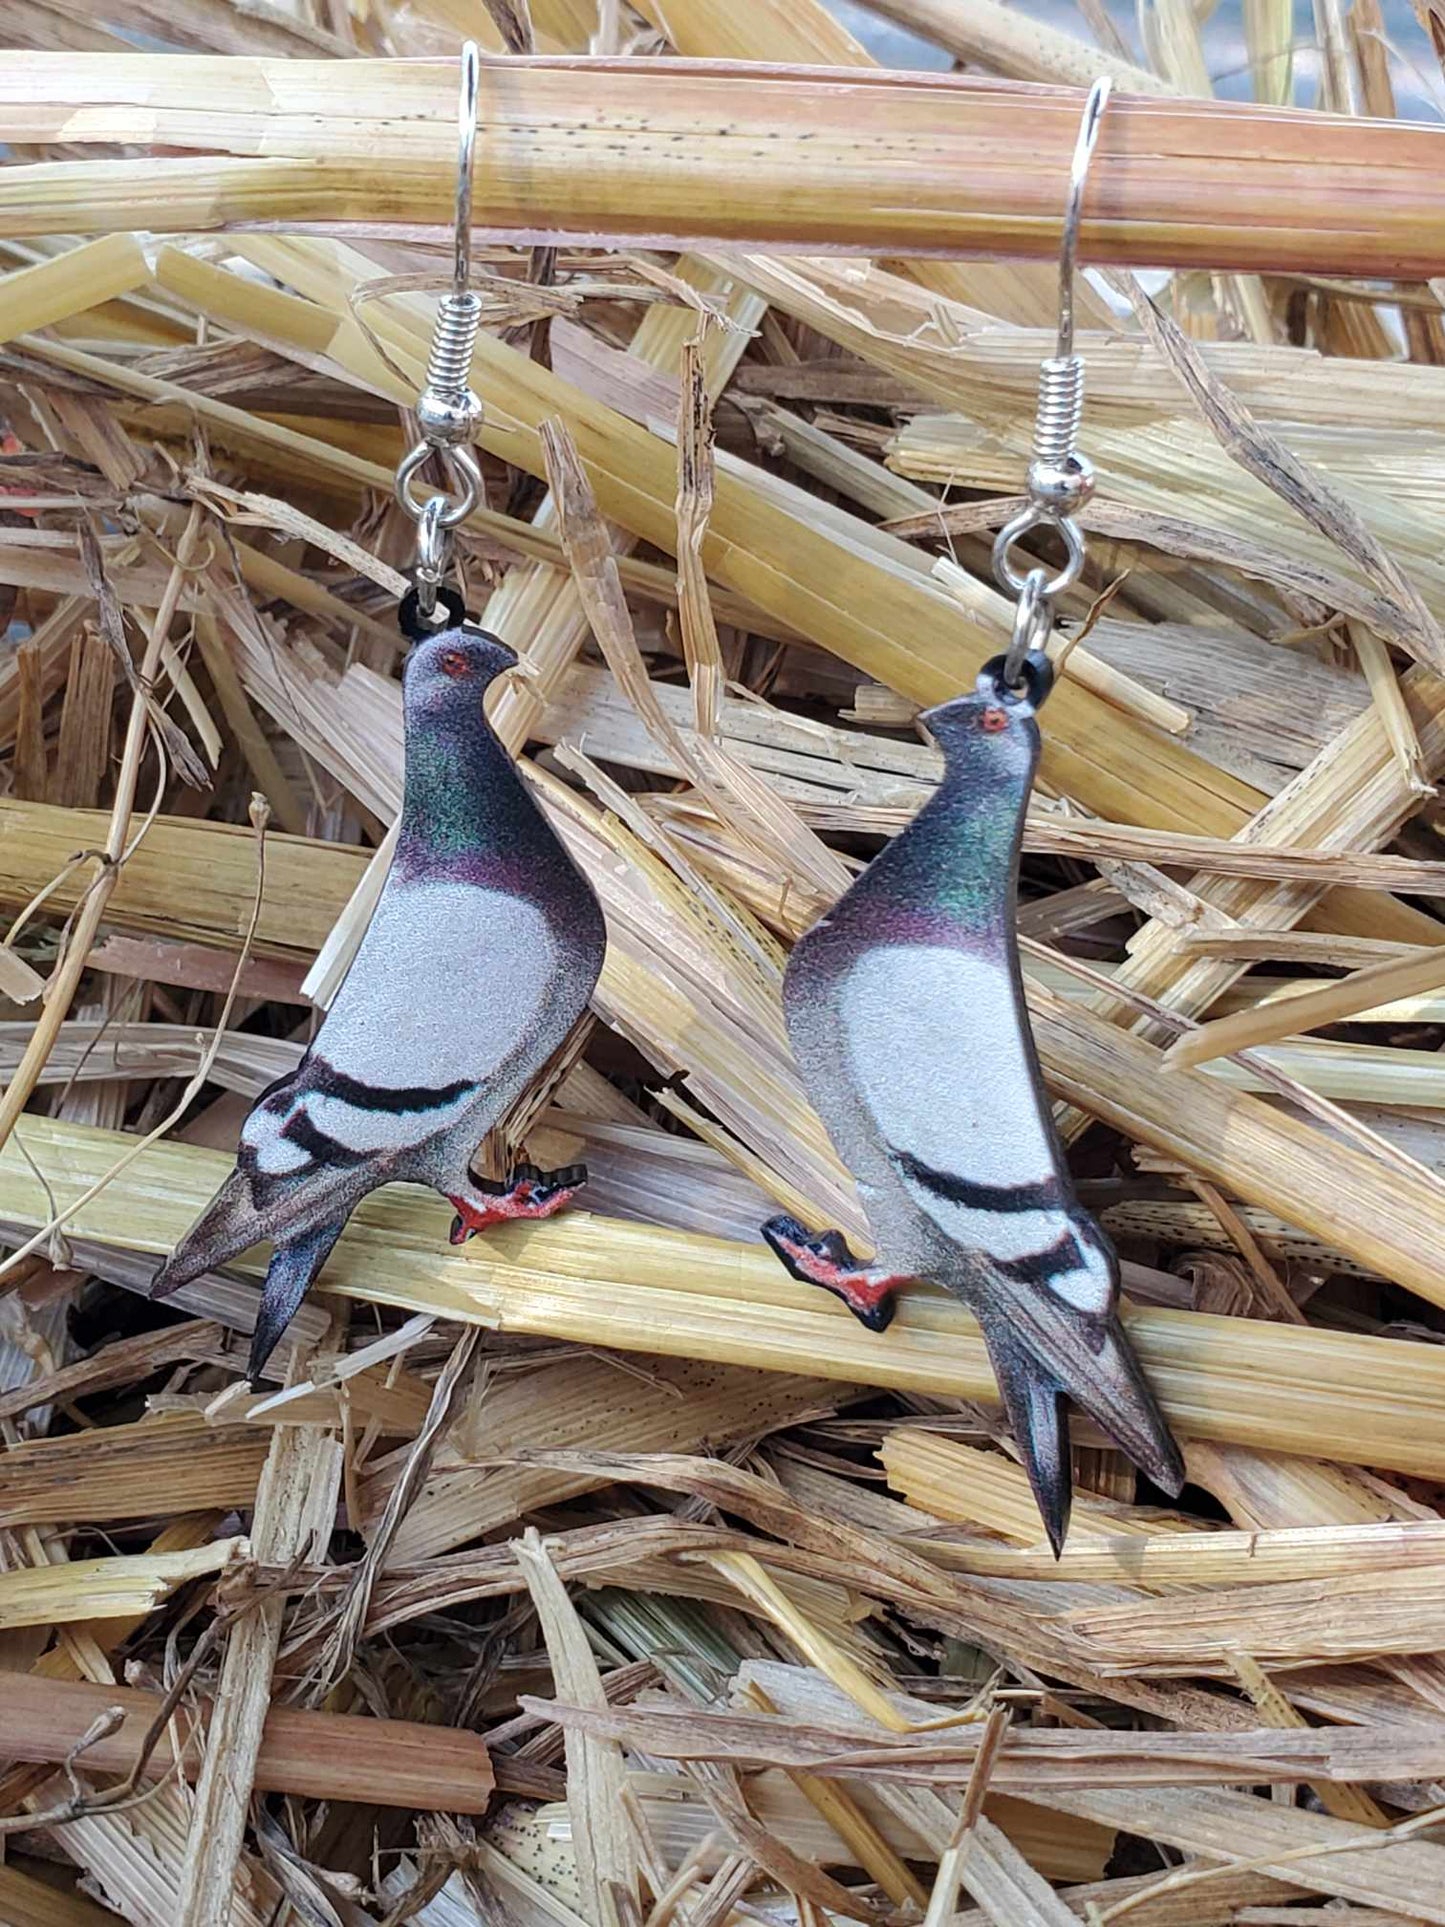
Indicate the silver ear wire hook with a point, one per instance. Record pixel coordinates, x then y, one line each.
1084 147
466 165
447 411
1060 480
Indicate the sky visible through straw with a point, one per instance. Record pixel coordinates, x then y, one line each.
1417 87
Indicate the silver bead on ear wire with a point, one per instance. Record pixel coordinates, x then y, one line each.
447 410
1060 479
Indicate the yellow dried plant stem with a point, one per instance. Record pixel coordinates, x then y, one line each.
1296 1622
677 1405
1001 40
1186 1561
64 980
122 1471
296 1499
1355 795
539 608
901 631
255 746
986 1489
69 283
647 1288
758 1586
1128 1545
1058 835
115 1588
181 884
1275 1709
1221 1829
322 463
1222 515
1374 659
1313 1009
1342 1195
796 32
837 1807
1385 1219
1352 794
1243 945
28 1902
1092 672
811 583
606 1844
872 161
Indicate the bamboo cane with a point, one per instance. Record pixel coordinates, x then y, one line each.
675 152
325 1756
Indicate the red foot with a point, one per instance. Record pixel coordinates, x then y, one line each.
824 1259
528 1193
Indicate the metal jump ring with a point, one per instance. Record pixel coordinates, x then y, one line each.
1033 620
433 541
1023 524
433 551
460 461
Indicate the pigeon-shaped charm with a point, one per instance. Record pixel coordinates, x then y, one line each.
905 1009
480 958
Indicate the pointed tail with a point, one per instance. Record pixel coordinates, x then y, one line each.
225 1229
288 1279
1035 1407
1090 1361
228 1226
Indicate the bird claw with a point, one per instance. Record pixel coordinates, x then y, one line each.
527 1193
824 1259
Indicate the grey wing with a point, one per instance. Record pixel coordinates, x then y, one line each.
574 966
457 995
938 1054
454 997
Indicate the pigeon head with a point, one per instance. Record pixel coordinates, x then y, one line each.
993 726
447 674
463 801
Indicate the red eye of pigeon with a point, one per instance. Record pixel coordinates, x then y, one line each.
993 720
454 663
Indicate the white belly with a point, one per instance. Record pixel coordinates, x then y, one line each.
935 1048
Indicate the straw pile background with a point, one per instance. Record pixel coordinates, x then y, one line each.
599 1573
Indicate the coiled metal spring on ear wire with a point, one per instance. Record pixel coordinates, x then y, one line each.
448 411
1060 479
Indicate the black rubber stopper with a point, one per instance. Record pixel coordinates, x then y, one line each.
1036 678
409 617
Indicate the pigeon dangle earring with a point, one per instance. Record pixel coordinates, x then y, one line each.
483 950
906 1013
